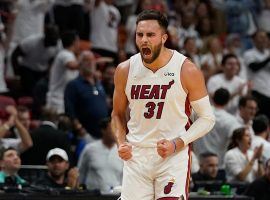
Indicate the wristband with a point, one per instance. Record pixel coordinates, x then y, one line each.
174 144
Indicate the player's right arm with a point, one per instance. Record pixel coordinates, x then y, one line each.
120 102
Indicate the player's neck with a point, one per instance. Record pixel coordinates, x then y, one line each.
163 58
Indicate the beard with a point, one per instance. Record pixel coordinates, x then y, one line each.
155 53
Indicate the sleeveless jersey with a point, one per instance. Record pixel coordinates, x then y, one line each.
158 104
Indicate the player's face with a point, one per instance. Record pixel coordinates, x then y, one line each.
150 38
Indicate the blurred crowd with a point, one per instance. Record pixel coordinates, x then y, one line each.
57 63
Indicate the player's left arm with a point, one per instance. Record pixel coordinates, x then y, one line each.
194 84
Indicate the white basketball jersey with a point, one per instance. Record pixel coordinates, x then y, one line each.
158 104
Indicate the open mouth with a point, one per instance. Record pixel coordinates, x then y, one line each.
146 51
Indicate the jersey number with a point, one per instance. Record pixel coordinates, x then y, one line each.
151 110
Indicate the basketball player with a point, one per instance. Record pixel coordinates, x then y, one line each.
159 85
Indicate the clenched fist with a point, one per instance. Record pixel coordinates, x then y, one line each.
165 148
125 151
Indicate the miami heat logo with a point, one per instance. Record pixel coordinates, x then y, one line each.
168 187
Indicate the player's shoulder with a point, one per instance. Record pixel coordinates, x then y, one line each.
189 68
123 67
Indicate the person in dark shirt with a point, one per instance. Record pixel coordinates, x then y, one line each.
208 175
85 98
260 188
47 136
58 167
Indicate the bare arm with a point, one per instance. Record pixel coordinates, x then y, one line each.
72 65
26 142
120 102
249 166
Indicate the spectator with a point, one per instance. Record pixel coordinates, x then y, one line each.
260 188
23 140
208 170
45 137
258 62
68 15
10 165
261 129
32 57
247 109
30 18
190 50
211 60
59 175
99 165
264 15
241 18
5 34
242 163
85 98
230 80
217 140
104 20
64 69
187 29
233 45
24 116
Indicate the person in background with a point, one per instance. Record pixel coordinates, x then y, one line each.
85 98
23 140
59 175
32 57
242 163
247 109
10 164
229 79
208 170
47 136
257 61
260 188
104 33
99 165
218 139
261 129
64 69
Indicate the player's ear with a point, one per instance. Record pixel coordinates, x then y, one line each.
164 38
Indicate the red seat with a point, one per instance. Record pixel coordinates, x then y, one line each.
26 101
4 102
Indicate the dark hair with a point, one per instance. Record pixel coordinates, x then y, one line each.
187 39
153 15
244 99
236 137
206 155
228 56
4 150
103 123
68 38
49 114
221 96
260 124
